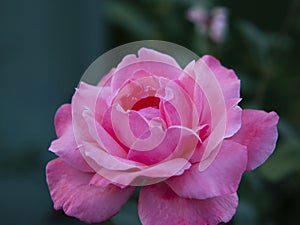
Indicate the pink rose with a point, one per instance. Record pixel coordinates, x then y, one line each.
178 133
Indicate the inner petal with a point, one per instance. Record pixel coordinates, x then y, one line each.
148 107
149 113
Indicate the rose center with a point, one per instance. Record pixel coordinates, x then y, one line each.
143 103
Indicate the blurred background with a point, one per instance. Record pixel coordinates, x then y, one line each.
45 47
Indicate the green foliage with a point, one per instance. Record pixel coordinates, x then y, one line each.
132 19
128 214
284 162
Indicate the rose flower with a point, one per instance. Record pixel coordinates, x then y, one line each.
177 133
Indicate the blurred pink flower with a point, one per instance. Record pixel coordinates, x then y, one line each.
178 133
211 23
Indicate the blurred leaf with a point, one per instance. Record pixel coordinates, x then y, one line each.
286 130
195 3
131 18
255 200
258 41
246 213
128 214
283 162
25 160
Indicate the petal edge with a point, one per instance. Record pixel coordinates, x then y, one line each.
259 133
70 191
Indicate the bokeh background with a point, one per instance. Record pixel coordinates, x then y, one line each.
46 45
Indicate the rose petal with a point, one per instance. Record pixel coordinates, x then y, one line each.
143 69
98 159
169 114
104 100
228 80
159 205
259 134
174 104
106 80
234 115
187 82
84 98
159 151
70 191
230 85
126 125
145 54
135 89
177 142
102 137
147 175
150 113
138 124
65 146
213 114
221 177
63 119
126 172
99 181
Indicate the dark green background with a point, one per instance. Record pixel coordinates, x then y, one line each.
45 46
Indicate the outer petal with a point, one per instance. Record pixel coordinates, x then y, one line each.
145 54
220 178
126 172
259 134
63 119
229 82
230 85
84 98
188 83
159 205
70 191
214 113
65 146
